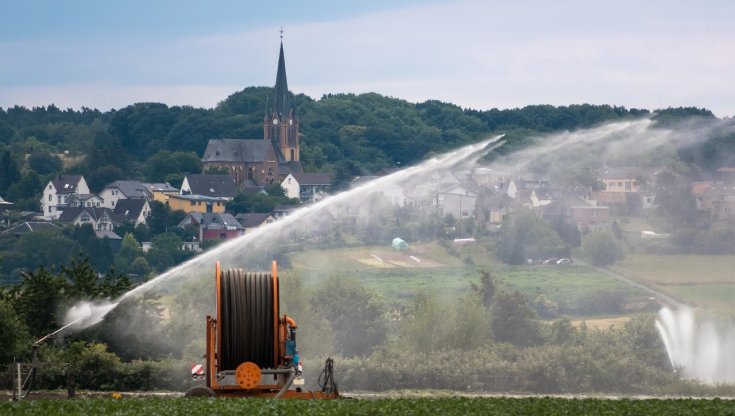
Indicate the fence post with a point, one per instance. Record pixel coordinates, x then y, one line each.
20 383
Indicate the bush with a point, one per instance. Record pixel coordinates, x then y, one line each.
602 248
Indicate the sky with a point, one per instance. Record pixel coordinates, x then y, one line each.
476 54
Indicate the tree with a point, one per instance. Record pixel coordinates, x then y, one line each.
355 315
9 172
513 321
163 218
486 290
526 236
601 248
15 339
129 251
40 295
159 166
44 163
81 279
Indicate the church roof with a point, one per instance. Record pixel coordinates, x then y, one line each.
237 150
281 102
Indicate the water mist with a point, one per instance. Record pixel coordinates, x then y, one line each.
697 348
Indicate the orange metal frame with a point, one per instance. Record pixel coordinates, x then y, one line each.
214 350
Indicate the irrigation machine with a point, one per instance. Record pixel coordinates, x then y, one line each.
251 348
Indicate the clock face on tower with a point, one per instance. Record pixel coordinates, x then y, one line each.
290 122
275 121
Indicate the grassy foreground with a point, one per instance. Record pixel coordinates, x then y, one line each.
441 406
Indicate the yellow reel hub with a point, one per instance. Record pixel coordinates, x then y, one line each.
248 375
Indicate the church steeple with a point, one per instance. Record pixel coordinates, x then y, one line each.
281 103
281 126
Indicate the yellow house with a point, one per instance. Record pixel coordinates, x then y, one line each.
161 191
197 203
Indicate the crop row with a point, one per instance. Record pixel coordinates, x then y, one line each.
423 406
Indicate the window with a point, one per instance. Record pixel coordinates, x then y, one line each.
84 217
50 197
223 236
58 200
193 203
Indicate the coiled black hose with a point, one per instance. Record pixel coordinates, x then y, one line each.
247 319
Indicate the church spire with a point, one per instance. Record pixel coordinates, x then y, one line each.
281 103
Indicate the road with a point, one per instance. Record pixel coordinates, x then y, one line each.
660 296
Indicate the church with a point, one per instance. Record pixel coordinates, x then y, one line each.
262 162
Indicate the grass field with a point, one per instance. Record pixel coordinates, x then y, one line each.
428 406
707 281
400 275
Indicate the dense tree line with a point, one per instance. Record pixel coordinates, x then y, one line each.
349 133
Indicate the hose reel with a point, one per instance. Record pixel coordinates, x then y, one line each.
248 319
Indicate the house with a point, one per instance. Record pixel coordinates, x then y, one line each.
725 174
161 191
58 191
591 218
135 211
197 203
101 219
210 226
124 190
392 191
307 187
248 189
493 209
717 199
457 201
496 179
533 181
85 200
572 209
264 161
212 186
251 221
30 227
281 211
626 179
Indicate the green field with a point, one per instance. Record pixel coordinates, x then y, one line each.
398 277
437 406
706 281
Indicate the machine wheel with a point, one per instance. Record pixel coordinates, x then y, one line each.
199 391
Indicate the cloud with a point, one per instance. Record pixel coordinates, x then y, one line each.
475 54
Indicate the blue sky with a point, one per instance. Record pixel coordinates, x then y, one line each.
478 54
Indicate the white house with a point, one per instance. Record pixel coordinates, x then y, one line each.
392 191
124 190
84 200
101 219
307 187
136 211
57 192
457 201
